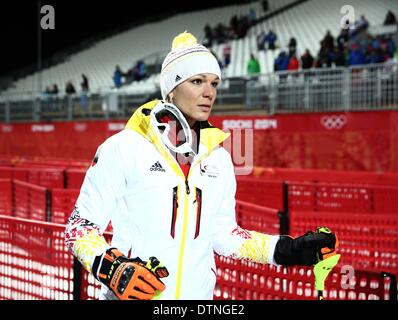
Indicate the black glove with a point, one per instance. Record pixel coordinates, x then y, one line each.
129 278
307 249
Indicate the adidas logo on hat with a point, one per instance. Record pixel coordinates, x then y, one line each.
157 167
178 78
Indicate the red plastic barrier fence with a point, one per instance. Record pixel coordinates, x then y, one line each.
34 262
7 160
308 196
322 176
74 178
367 241
21 174
14 173
47 177
42 176
260 192
244 280
6 172
50 162
62 204
6 197
311 196
30 201
385 199
253 217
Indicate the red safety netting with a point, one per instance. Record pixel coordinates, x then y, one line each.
260 192
7 160
321 176
39 175
14 173
244 280
30 201
309 196
6 206
253 217
47 177
74 178
62 204
316 196
34 262
51 162
367 241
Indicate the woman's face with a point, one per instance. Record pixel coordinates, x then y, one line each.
195 96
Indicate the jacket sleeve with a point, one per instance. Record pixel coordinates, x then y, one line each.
102 187
229 239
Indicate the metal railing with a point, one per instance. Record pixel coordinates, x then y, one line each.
367 87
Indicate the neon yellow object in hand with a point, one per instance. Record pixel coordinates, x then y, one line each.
322 270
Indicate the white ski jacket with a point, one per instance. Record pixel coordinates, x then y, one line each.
155 211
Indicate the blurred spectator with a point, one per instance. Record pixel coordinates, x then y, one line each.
390 46
208 40
117 77
220 33
360 25
253 66
374 56
270 38
84 93
84 101
390 18
129 75
328 41
281 62
293 64
363 23
324 57
307 60
356 56
234 25
139 70
46 94
70 88
84 85
54 90
339 57
261 40
342 38
292 46
243 27
227 54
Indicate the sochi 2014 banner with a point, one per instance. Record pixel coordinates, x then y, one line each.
340 141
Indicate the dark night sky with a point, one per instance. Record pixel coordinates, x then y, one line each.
74 21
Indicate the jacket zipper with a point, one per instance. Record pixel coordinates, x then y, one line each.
188 191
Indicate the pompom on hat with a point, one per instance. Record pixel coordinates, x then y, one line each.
186 59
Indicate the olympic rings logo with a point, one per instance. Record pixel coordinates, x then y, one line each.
335 122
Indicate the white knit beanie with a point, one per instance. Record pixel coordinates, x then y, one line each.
186 59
